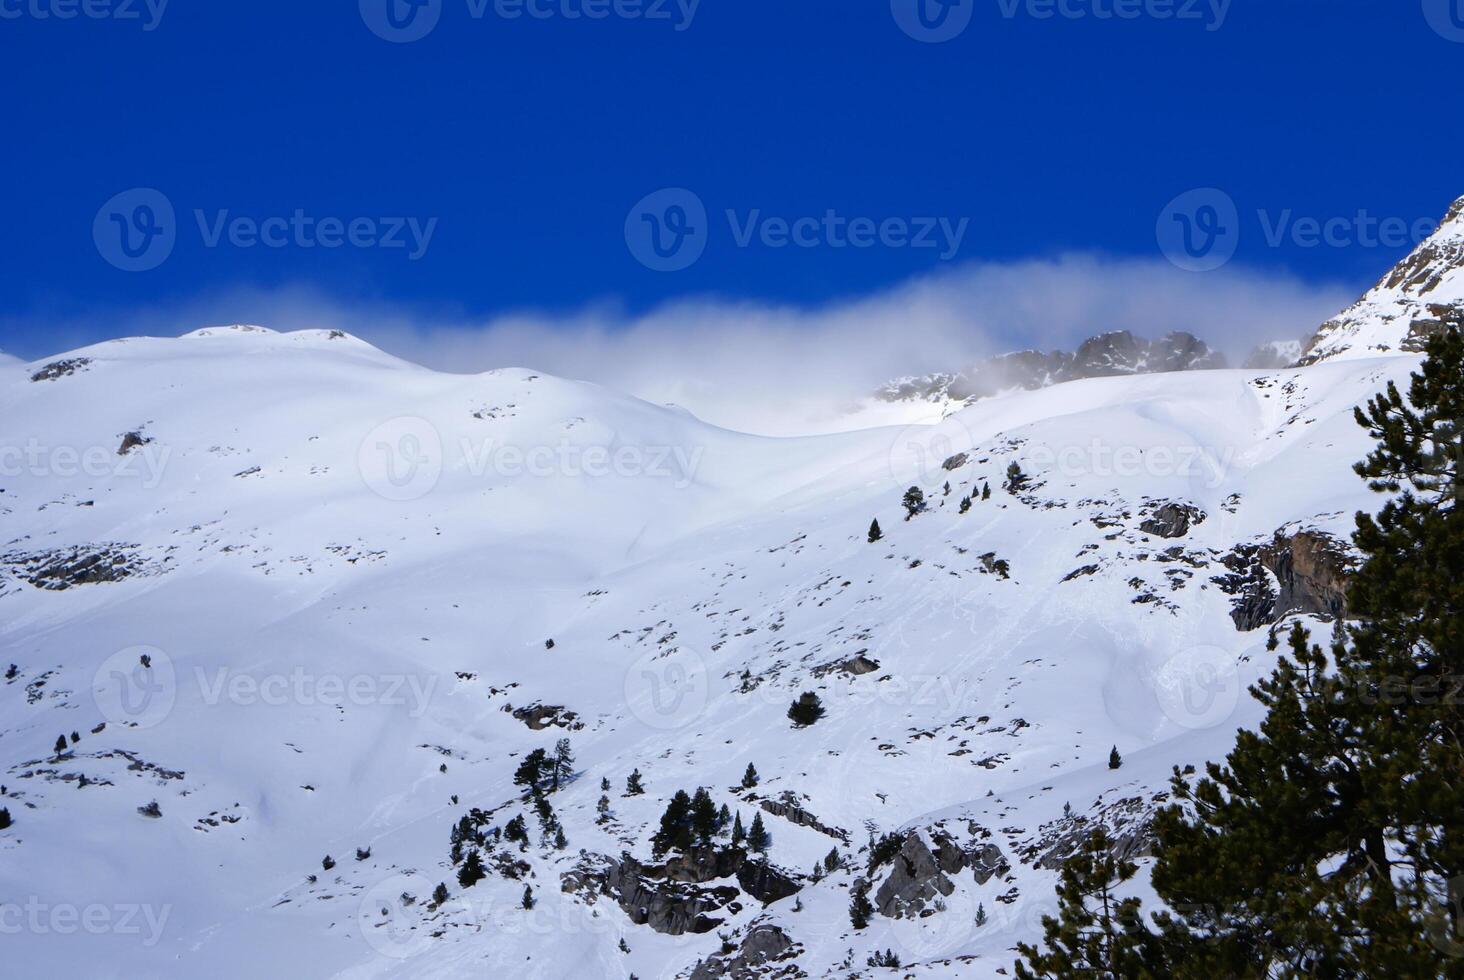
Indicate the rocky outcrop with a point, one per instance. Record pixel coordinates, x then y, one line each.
1303 572
65 568
921 872
60 369
764 945
541 716
668 907
670 897
1172 520
1128 823
1105 355
788 807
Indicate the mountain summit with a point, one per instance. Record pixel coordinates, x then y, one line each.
1412 302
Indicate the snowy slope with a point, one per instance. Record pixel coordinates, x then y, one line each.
1422 291
344 569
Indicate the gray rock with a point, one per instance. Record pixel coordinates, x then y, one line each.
764 944
1173 520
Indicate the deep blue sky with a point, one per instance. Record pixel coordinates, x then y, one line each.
530 141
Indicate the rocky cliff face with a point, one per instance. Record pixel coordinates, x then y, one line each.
1417 298
1106 355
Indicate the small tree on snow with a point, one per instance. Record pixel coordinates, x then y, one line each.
758 837
1114 759
874 532
913 501
806 710
750 777
633 785
860 908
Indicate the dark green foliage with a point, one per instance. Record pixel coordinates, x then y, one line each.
758 837
439 894
887 959
472 871
703 818
874 532
1016 480
528 901
1114 759
738 833
806 710
532 771
516 831
913 502
675 832
562 765
1331 841
327 862
860 908
884 850
750 777
5 820
633 785
986 491
60 744
965 504
1095 933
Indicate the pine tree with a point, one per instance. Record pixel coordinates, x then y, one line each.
981 914
516 831
327 862
675 832
703 817
724 817
806 710
633 785
913 502
604 784
860 908
986 491
528 901
758 837
1114 759
5 820
560 842
532 770
1331 841
1095 933
1016 480
750 777
874 532
965 504
603 809
738 833
60 744
472 871
562 766
439 894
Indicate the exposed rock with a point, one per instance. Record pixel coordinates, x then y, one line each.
1305 572
668 907
764 944
1128 822
1273 356
956 462
64 568
60 369
1119 352
1173 520
765 882
787 806
915 881
131 441
541 716
858 665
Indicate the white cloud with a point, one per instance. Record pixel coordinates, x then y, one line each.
774 368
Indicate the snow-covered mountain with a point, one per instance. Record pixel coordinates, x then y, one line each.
276 597
1417 297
